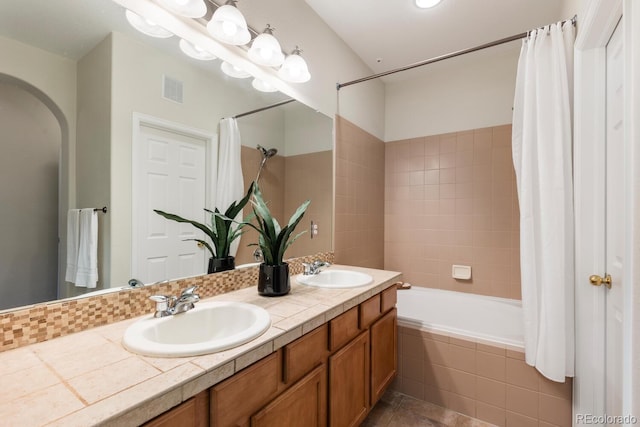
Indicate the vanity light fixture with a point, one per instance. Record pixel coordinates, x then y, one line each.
425 4
186 8
265 49
294 69
147 26
233 71
263 86
195 52
228 25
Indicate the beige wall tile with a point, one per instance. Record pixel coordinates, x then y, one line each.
463 383
494 415
561 390
490 365
491 392
462 404
519 420
436 395
462 358
521 374
522 401
436 352
555 410
472 177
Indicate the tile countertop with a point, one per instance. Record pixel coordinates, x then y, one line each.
88 378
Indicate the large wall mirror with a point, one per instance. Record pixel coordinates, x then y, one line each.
79 89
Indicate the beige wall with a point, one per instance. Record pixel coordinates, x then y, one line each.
359 196
93 149
469 92
452 199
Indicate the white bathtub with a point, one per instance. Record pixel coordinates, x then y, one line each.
489 320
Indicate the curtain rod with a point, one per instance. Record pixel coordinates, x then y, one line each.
443 57
277 104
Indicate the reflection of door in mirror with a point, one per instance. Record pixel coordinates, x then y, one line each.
170 175
29 165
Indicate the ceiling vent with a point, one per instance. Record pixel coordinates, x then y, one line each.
172 89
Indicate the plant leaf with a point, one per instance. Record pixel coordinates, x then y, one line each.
204 243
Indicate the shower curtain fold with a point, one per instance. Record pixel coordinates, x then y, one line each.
230 182
542 157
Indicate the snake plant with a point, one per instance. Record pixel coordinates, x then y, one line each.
220 231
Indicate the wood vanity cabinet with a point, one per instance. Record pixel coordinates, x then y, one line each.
193 412
331 376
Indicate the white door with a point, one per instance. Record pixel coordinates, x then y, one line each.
169 175
614 223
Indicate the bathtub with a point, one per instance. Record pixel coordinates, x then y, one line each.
476 318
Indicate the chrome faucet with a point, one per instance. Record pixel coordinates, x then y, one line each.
314 267
171 305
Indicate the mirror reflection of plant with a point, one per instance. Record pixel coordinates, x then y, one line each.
220 232
273 240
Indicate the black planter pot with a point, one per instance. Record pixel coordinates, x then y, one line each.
221 264
273 280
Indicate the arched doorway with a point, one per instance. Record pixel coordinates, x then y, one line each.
30 165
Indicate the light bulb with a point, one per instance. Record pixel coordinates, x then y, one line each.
229 28
181 2
266 54
425 4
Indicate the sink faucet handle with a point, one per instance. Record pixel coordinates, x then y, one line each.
308 268
189 291
163 303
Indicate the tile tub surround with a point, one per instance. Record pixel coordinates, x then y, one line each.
42 322
482 381
88 378
359 206
452 199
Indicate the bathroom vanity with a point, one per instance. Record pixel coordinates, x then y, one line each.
326 359
353 355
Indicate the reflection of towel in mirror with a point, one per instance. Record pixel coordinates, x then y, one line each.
82 246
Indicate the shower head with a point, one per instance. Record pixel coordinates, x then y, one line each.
267 153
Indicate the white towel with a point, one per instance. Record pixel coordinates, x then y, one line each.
87 274
73 239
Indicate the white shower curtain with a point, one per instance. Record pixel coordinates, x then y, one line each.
230 182
542 150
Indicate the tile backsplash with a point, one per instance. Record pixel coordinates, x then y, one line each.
452 199
42 322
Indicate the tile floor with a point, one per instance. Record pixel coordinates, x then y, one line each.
399 410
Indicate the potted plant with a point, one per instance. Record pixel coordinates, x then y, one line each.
273 240
220 232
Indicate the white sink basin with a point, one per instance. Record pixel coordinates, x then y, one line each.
337 279
208 328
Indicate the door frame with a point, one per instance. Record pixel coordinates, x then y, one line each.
596 25
211 150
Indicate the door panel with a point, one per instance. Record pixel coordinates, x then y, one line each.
614 225
170 176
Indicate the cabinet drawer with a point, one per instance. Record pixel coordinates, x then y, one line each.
369 311
305 353
389 299
234 400
343 329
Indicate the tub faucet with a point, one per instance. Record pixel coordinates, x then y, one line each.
314 267
171 305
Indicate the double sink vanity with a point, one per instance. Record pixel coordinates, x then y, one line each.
321 355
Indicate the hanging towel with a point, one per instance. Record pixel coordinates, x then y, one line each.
73 239
87 273
230 183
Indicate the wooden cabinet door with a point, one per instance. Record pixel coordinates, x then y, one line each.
234 400
193 412
384 346
349 383
304 404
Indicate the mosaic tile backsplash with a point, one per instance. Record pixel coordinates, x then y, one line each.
42 322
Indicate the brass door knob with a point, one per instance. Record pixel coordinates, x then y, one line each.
598 280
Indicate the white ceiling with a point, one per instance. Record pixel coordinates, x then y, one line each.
388 34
